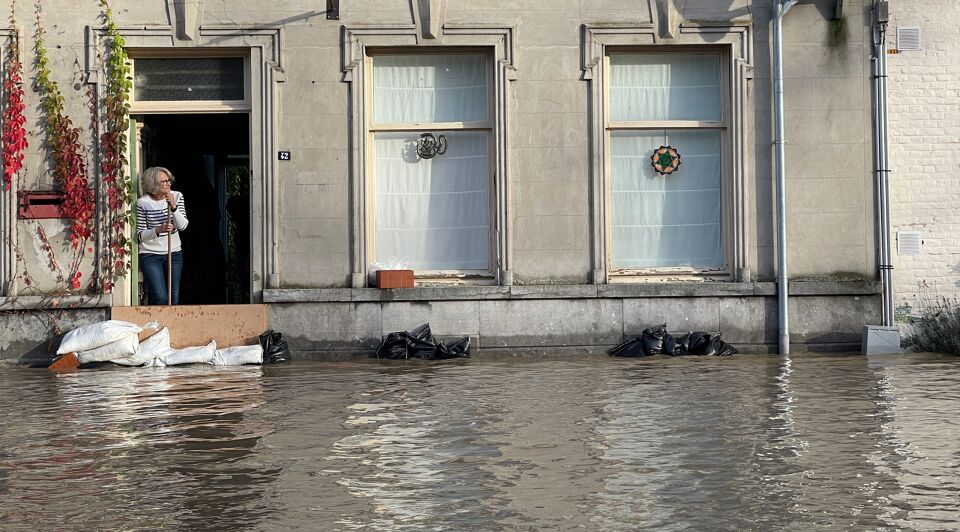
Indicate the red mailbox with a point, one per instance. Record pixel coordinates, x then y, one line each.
40 205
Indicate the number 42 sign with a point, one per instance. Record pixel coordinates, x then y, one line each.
283 155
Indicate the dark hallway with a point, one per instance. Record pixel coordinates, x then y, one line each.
209 157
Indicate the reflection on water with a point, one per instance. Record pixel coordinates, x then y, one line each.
595 443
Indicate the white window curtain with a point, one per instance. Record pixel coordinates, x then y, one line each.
429 88
433 213
665 87
662 221
665 220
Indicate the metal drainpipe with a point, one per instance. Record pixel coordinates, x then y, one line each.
882 163
780 8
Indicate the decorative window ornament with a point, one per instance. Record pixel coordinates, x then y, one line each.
429 146
665 160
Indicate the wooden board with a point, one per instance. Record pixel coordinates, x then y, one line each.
192 325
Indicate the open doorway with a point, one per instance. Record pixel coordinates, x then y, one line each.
209 156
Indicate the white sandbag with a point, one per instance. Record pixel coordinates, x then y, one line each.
157 345
121 348
238 355
154 363
191 355
99 334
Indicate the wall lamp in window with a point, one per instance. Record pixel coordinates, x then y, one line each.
429 146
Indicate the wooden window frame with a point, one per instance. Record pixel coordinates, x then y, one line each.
371 128
494 40
721 125
734 40
190 106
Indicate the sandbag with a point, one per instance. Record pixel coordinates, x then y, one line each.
123 347
89 337
155 346
154 363
238 355
191 355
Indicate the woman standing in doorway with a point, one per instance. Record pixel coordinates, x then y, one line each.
160 218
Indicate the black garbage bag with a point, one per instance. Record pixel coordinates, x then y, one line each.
681 345
718 348
669 345
652 338
420 343
275 348
417 348
421 333
629 348
696 342
393 346
457 349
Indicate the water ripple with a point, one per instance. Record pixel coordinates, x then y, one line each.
749 443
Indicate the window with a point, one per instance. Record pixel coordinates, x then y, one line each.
431 210
673 221
189 83
188 78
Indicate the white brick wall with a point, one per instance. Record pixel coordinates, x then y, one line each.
924 114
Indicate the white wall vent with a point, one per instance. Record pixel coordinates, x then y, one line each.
909 242
909 38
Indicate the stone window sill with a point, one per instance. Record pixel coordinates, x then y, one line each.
610 291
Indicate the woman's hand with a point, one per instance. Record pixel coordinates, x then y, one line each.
170 201
163 228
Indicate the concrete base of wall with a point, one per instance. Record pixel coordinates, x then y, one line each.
600 351
545 320
339 324
31 337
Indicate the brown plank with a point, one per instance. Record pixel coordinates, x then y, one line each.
192 325
66 363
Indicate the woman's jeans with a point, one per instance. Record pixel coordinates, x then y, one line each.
154 269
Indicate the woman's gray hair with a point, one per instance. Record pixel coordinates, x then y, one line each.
150 180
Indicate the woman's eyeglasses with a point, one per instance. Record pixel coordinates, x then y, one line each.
164 181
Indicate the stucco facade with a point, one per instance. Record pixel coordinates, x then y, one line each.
552 278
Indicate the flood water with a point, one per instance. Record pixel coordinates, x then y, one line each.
751 442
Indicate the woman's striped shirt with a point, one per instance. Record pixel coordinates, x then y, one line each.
152 213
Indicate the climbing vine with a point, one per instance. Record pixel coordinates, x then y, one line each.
67 149
113 153
65 145
14 135
63 142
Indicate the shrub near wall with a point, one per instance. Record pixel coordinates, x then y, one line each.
937 330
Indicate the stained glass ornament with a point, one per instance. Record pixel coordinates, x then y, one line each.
665 160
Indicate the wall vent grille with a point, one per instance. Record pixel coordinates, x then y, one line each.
909 38
909 242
